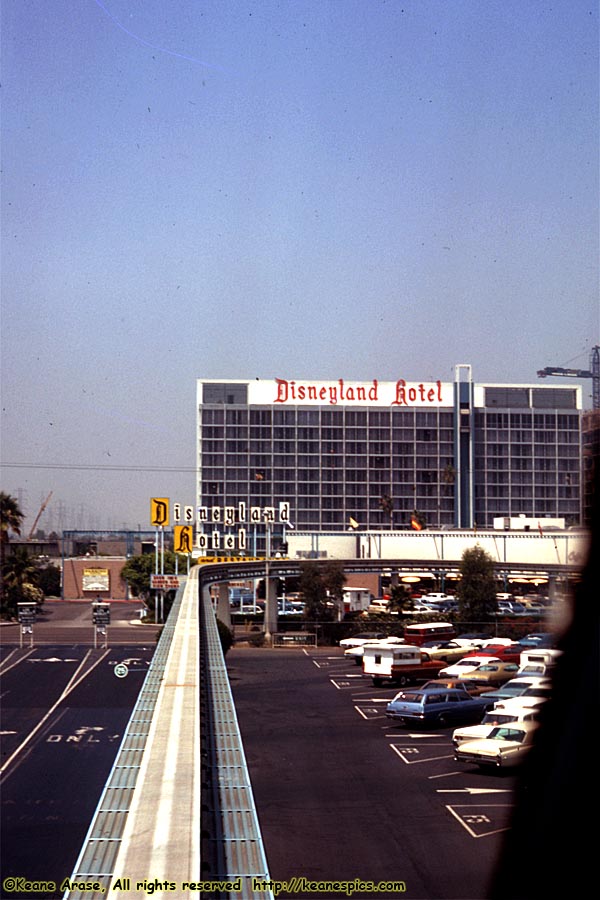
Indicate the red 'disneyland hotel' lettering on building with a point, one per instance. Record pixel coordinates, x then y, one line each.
407 394
332 393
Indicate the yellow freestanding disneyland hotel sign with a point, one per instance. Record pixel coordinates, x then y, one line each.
159 511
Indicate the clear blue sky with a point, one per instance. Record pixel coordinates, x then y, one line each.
319 189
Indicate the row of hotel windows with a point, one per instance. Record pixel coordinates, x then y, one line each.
383 418
358 469
539 433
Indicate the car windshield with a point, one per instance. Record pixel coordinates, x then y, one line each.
515 688
502 733
538 692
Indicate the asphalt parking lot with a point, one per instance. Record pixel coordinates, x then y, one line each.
343 793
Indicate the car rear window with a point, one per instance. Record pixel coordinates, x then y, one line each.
502 733
410 697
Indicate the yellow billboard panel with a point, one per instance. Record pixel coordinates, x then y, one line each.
159 511
95 580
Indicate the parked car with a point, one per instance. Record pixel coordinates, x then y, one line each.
477 638
505 746
534 607
447 651
537 669
537 640
429 631
443 707
547 656
497 640
467 664
510 608
460 684
419 608
519 704
507 652
499 715
519 687
495 672
356 640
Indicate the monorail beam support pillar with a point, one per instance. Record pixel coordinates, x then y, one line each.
270 608
223 608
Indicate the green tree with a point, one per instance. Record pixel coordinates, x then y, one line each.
477 588
137 571
48 579
334 578
321 584
11 518
226 636
400 598
20 577
312 588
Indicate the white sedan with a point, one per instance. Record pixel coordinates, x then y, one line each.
365 637
505 746
499 715
467 664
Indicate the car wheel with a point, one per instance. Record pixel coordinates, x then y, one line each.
403 680
376 682
443 720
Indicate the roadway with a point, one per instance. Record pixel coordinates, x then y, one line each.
62 622
63 717
341 793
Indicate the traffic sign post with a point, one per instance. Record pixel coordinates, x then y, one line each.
101 620
26 613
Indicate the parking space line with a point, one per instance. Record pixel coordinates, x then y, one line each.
474 818
363 712
401 751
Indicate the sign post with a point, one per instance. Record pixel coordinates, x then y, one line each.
159 517
26 613
101 620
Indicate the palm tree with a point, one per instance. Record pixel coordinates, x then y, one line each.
20 576
11 518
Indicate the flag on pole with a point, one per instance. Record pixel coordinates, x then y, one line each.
353 523
415 522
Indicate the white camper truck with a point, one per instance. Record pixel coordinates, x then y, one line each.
402 664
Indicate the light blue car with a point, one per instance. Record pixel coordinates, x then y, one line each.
437 708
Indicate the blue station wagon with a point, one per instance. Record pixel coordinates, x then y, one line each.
443 707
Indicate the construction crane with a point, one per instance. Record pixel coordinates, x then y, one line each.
39 515
593 372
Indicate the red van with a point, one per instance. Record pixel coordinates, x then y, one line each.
428 631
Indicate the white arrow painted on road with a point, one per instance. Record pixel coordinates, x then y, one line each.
52 659
473 791
413 736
